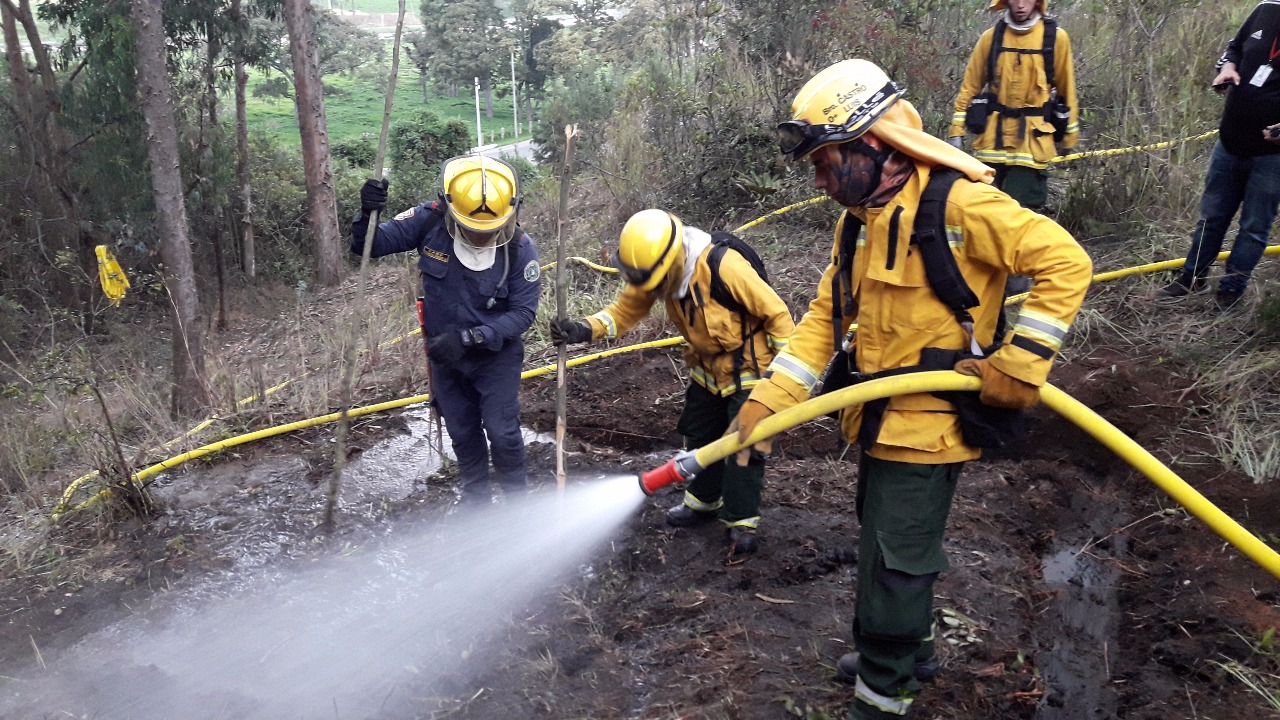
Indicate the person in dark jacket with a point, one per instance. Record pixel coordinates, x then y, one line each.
480 283
1244 170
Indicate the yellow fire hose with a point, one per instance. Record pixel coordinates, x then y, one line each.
64 505
687 464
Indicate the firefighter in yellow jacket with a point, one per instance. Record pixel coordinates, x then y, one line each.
869 154
1029 107
733 323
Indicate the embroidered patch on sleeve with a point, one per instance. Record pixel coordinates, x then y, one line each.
531 271
406 214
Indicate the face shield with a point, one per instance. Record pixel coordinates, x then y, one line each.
480 240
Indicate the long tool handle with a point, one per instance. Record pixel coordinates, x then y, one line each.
562 352
348 353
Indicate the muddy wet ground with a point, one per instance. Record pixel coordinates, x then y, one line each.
1077 589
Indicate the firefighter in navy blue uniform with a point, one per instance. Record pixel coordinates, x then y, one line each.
480 282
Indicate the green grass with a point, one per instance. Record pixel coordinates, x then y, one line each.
356 109
411 7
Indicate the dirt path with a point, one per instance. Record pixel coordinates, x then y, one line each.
1077 589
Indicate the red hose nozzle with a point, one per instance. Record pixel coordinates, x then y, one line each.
659 477
678 469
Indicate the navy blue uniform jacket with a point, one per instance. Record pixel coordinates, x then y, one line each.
502 300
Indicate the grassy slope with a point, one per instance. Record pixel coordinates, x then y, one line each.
356 109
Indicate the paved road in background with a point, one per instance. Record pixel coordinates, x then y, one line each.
523 149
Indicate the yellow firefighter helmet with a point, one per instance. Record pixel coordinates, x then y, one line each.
650 244
482 196
836 106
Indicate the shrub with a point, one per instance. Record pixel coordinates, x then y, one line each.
415 148
275 87
356 152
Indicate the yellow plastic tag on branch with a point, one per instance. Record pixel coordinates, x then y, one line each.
114 282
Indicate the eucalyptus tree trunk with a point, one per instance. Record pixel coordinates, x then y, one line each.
248 257
189 394
211 206
18 75
73 288
314 133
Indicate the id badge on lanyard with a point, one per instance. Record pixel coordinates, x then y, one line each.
1264 71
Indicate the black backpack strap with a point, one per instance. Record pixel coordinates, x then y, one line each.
993 52
1050 39
842 280
719 291
940 268
721 242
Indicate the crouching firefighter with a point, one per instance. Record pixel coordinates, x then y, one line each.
909 197
480 285
717 293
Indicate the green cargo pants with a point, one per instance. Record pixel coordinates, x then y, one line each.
705 418
903 509
1028 186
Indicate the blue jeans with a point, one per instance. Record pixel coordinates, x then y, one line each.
1248 184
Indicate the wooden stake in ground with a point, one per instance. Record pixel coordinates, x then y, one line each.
352 334
562 352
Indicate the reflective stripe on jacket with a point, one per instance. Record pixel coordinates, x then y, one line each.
898 313
1021 83
714 332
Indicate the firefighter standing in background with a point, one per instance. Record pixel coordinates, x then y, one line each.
480 284
870 155
1028 109
733 322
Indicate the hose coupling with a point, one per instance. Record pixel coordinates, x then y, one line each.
681 468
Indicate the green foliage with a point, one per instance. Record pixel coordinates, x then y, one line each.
346 49
584 99
280 210
356 152
416 147
470 34
1140 85
274 87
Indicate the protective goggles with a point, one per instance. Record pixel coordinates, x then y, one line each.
641 276
798 138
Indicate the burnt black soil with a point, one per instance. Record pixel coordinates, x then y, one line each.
1077 588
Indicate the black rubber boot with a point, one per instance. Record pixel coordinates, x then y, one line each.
847 669
684 516
1183 286
743 541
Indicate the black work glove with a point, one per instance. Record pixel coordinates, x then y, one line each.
472 337
446 349
373 195
564 330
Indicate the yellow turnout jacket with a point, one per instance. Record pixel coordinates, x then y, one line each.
1020 83
714 333
898 313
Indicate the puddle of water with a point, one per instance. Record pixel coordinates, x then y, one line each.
391 469
1084 614
338 637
